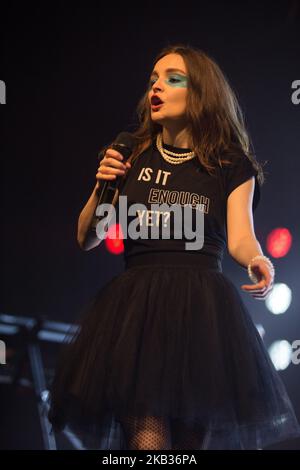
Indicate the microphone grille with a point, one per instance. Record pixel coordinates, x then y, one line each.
126 138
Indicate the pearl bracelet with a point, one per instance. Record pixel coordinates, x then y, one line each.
252 275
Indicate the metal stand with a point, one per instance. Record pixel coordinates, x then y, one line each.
30 332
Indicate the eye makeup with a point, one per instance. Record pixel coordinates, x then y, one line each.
175 80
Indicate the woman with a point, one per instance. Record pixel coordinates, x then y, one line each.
167 356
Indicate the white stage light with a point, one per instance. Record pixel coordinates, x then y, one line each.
279 299
281 354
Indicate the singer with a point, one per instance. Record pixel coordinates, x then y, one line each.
167 355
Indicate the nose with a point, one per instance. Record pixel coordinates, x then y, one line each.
157 85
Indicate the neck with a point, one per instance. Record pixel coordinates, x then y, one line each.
178 139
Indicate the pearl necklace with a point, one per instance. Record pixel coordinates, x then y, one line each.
172 157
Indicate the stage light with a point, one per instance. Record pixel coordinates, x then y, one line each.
279 242
281 354
279 299
114 239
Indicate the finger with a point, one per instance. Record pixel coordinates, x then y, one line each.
259 285
263 295
255 291
264 283
114 153
113 163
257 294
259 298
111 171
106 177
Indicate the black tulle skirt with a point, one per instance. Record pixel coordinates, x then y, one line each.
170 337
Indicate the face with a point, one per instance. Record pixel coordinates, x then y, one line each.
169 82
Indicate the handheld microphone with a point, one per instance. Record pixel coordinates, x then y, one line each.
124 143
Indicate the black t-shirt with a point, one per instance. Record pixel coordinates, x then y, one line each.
152 180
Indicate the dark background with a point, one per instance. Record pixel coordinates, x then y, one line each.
73 78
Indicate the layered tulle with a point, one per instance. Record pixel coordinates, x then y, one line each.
175 341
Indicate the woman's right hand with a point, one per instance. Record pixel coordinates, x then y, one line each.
111 166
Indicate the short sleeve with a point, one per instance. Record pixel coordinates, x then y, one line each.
239 172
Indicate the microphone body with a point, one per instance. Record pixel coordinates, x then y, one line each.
124 144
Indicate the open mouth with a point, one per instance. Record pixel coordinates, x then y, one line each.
156 101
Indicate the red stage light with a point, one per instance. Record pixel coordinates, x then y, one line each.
114 239
279 242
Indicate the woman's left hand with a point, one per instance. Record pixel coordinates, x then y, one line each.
265 277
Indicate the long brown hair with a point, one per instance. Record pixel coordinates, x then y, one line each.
214 118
